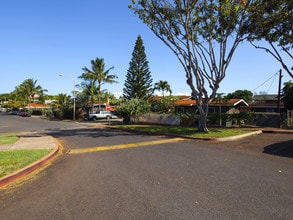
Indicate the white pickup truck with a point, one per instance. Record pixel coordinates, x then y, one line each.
100 115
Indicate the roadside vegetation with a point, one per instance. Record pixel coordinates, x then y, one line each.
203 35
12 160
17 159
8 139
187 131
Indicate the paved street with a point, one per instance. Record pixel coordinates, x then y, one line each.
168 179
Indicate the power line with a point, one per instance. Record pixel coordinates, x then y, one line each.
272 83
274 75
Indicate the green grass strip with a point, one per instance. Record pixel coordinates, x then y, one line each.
187 131
8 139
16 159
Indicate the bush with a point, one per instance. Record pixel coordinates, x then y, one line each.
241 118
132 107
58 113
189 119
37 112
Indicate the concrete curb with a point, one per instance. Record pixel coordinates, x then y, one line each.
236 137
30 168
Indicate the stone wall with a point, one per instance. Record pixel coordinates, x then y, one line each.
152 118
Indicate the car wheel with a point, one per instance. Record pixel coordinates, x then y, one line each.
94 118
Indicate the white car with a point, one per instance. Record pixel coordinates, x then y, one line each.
101 115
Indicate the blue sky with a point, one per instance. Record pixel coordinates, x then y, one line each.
42 39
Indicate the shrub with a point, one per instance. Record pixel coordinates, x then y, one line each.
132 107
189 119
36 112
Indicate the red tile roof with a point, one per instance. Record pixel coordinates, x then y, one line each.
191 102
35 105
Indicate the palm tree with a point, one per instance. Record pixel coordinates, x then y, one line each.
219 99
28 89
89 89
163 86
98 74
62 101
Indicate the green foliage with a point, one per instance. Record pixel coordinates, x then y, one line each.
138 82
241 94
163 86
188 119
272 21
203 35
49 114
28 90
57 113
215 118
132 107
8 139
36 112
164 105
241 118
287 93
95 78
188 131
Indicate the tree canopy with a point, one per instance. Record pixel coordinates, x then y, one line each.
28 90
96 77
203 34
163 86
272 21
241 94
138 82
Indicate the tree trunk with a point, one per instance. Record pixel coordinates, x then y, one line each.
202 121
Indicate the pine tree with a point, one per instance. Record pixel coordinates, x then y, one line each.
138 83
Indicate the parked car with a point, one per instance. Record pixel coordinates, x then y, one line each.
113 115
24 114
100 115
14 112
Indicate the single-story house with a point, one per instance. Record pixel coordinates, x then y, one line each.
266 103
36 106
223 106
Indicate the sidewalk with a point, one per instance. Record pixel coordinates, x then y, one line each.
30 141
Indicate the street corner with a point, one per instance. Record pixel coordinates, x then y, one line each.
54 145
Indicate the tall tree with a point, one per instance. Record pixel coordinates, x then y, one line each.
203 34
89 89
163 86
98 75
28 89
138 83
272 21
62 101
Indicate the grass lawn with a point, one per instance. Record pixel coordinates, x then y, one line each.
15 159
8 139
187 131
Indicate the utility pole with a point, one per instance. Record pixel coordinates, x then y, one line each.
279 98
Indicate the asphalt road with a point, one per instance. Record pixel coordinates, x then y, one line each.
186 179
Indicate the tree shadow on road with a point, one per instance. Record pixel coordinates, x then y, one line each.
284 149
90 132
